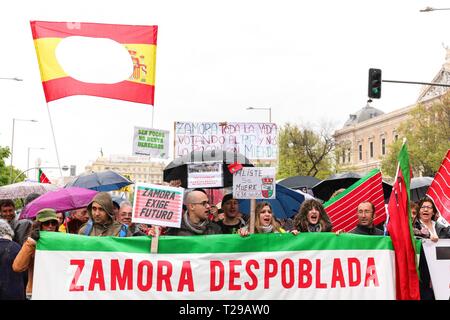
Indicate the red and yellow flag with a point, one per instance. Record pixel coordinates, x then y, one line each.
140 41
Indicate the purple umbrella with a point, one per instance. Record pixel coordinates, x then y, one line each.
61 200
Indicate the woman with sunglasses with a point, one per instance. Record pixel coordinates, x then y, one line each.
46 220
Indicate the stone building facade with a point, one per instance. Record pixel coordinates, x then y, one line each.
137 169
363 141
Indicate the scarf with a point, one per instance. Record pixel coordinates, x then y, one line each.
265 229
198 228
314 227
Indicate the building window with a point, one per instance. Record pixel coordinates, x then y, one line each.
360 151
383 146
396 137
343 156
349 153
371 149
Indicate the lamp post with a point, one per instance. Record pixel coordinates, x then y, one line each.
12 146
64 168
270 111
28 158
14 79
428 9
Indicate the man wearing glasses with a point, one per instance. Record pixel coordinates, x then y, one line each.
195 219
366 215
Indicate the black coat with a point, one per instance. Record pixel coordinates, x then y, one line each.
12 285
367 231
208 228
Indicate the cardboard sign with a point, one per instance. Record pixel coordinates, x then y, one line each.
151 142
254 183
205 175
252 140
438 260
157 205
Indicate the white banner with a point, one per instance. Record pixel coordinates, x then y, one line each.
438 260
325 274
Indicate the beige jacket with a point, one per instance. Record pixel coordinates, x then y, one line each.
25 261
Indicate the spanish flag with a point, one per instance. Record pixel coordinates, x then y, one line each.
140 41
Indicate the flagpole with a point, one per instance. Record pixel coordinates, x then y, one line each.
54 140
153 113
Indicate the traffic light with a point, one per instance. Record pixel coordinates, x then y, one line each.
375 83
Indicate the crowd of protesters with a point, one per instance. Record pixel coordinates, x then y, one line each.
106 216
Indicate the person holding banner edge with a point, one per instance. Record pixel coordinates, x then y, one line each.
311 217
265 222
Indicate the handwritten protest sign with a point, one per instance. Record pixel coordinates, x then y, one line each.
205 175
151 142
253 140
254 183
157 205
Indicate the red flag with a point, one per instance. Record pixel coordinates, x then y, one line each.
400 230
42 177
439 190
139 41
342 208
235 167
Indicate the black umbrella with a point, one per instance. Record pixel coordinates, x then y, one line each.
299 182
100 181
177 169
324 189
419 187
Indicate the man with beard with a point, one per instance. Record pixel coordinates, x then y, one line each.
102 221
195 219
366 215
232 220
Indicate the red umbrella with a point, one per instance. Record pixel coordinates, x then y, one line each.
61 200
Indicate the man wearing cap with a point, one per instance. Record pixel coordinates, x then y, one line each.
46 220
102 223
232 220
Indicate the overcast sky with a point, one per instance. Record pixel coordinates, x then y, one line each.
307 60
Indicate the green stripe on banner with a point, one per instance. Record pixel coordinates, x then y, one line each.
351 188
55 241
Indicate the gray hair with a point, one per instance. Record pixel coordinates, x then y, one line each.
125 203
5 230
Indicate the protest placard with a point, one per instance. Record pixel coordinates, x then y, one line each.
254 183
151 142
438 261
205 175
157 205
253 140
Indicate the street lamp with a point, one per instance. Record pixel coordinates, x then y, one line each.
28 158
270 111
428 9
64 168
12 145
14 79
